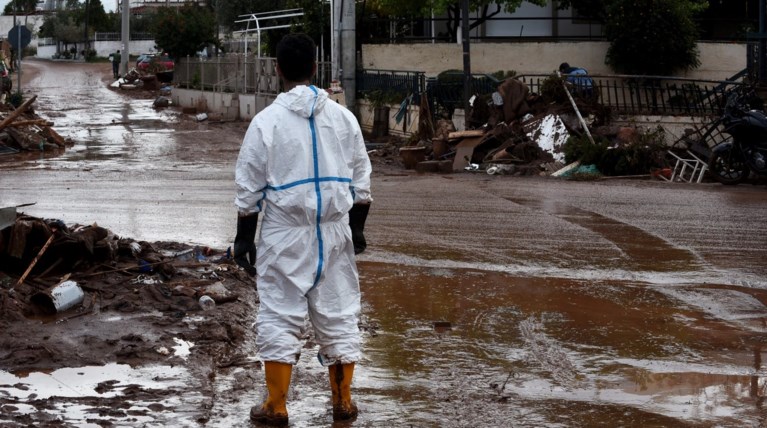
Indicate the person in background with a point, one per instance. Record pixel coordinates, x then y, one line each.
579 79
116 58
303 164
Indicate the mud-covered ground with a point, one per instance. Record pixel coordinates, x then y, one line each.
487 300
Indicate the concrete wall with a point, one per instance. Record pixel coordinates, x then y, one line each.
33 22
228 105
244 106
103 48
719 60
407 127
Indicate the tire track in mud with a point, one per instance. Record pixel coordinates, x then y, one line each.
640 250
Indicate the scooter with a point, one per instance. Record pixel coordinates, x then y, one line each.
733 160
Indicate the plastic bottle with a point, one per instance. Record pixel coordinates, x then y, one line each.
207 303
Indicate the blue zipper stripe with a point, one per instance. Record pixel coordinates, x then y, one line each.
312 126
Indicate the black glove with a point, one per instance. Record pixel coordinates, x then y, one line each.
357 216
244 243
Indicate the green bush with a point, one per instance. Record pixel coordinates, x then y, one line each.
652 37
379 97
553 90
501 75
614 159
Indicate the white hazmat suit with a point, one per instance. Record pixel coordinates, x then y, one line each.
303 163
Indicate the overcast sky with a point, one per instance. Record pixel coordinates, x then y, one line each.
109 5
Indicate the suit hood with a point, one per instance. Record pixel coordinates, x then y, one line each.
306 101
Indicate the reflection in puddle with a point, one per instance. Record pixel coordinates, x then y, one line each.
546 351
114 392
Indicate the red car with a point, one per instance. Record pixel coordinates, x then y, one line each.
154 63
159 65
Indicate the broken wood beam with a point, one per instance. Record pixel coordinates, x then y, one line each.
35 260
464 134
14 114
38 122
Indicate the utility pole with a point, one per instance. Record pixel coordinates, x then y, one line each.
466 60
762 60
18 52
87 41
125 36
349 52
335 40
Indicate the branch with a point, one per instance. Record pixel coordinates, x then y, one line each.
485 16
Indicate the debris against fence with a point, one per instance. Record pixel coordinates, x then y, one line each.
22 130
516 132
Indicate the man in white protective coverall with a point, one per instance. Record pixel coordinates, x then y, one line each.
303 163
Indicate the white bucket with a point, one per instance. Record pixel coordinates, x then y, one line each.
59 298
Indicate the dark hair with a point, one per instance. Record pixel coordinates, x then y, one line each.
564 67
295 56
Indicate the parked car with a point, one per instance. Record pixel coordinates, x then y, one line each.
154 63
160 65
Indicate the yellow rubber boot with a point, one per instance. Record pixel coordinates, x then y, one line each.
274 410
341 387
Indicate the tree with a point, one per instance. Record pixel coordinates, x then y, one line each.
184 31
20 7
652 37
96 16
486 8
594 9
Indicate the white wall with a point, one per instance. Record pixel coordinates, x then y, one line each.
32 21
718 60
103 48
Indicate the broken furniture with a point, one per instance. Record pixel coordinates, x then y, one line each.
688 168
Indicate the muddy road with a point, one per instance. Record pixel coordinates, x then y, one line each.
487 300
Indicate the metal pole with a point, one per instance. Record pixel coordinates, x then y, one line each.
466 60
86 29
125 36
349 53
335 41
762 43
18 54
433 40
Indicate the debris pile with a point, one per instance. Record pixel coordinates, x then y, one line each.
511 131
38 255
22 130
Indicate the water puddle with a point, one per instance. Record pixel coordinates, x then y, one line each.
519 348
94 395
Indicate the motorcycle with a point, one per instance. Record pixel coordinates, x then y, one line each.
733 160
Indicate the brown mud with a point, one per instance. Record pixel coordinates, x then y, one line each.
487 300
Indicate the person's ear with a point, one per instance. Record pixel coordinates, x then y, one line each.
279 71
314 68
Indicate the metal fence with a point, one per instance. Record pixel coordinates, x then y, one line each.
390 84
237 73
116 37
624 94
628 94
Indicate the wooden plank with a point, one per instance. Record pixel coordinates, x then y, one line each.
14 114
464 134
463 152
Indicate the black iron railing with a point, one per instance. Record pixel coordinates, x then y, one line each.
389 86
628 94
624 94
